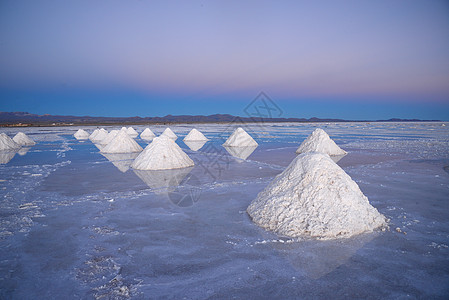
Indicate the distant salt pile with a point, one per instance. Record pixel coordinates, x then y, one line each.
111 135
6 143
131 132
23 140
240 138
195 135
122 143
314 197
319 141
81 134
147 134
169 133
94 134
98 135
162 154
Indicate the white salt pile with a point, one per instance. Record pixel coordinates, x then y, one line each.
23 140
319 141
122 143
314 197
162 154
111 135
147 134
131 132
98 135
169 133
240 138
6 143
195 135
81 134
93 134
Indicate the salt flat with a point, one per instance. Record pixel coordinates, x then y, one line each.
74 225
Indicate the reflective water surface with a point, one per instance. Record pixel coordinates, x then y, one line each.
75 223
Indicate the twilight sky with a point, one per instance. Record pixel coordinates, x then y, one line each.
339 59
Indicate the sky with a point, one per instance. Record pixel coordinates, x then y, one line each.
328 59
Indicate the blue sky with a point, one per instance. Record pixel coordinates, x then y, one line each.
338 59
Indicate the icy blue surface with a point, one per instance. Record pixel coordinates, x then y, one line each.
74 224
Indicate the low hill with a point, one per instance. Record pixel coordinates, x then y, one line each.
27 119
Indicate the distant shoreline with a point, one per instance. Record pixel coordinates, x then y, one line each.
23 119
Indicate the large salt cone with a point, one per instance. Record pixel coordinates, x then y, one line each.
314 197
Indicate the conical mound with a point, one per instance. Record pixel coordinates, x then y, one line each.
162 154
319 141
122 143
81 134
147 134
111 135
240 138
195 135
6 143
314 197
93 134
131 132
23 140
169 133
98 135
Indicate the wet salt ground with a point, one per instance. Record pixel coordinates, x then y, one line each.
74 225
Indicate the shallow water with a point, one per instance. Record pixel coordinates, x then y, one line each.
78 224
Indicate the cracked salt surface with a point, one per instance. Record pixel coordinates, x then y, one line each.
94 229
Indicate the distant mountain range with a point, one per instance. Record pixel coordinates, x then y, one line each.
27 119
